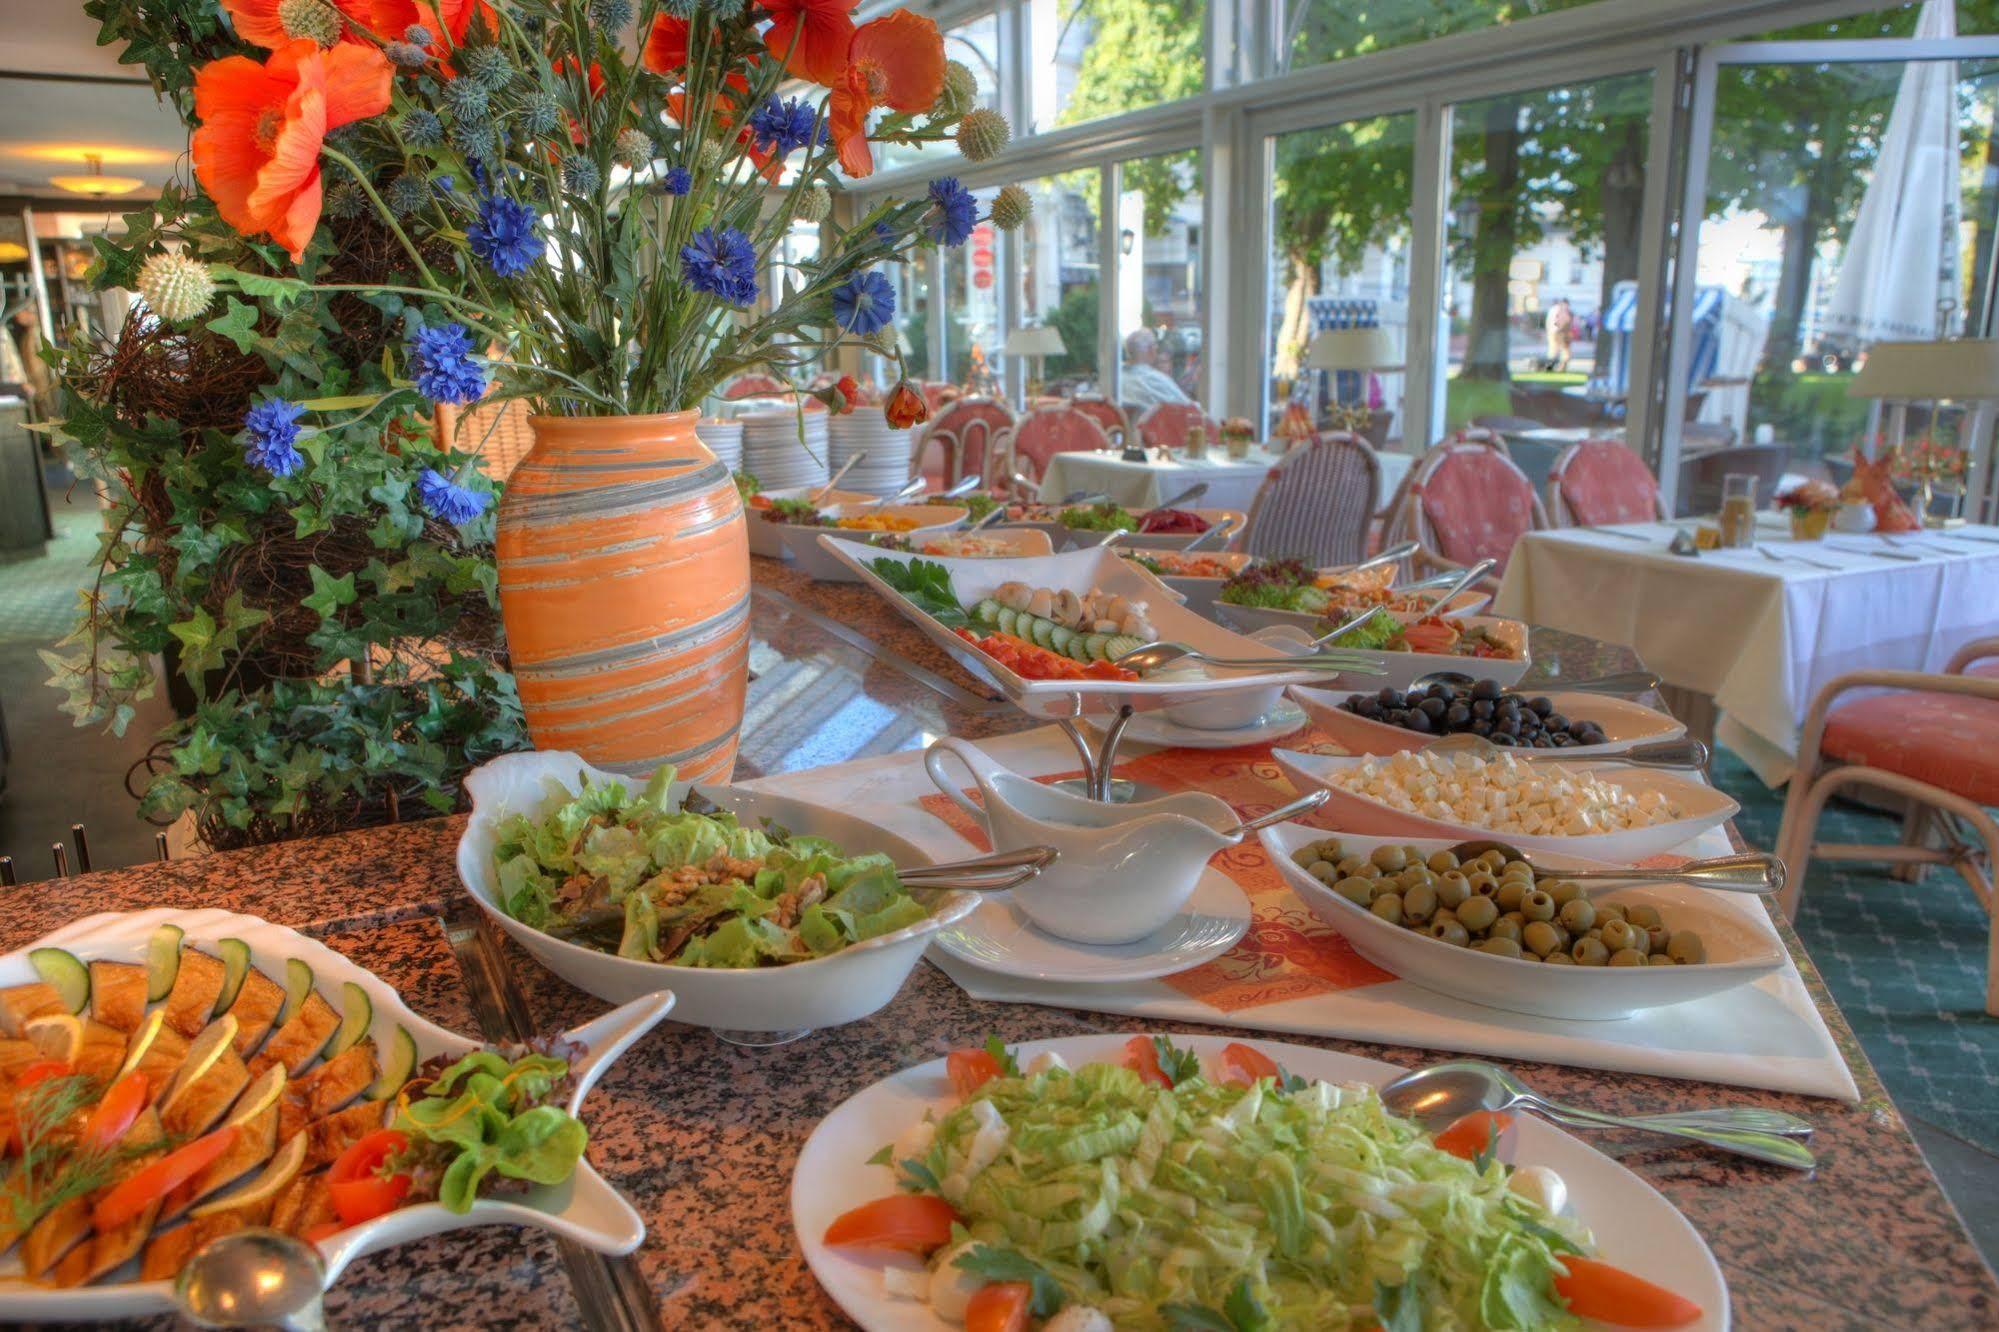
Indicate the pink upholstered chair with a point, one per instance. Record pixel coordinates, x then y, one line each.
1317 503
756 386
966 437
1042 434
1117 426
1600 481
1933 741
1165 424
1465 501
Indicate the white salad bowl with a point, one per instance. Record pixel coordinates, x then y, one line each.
823 992
1624 723
1199 594
1248 618
1739 950
802 544
1401 669
1702 807
1084 538
766 538
584 1208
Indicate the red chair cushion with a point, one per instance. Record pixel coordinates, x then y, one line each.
1605 482
1947 741
1478 504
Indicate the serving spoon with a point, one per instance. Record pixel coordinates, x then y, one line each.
253 1278
833 482
1687 753
1439 1096
1152 656
1195 491
914 484
1620 682
1754 872
1393 555
1214 532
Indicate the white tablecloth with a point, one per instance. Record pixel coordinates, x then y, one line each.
1762 636
1231 484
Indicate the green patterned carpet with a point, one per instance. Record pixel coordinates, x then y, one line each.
1905 961
38 590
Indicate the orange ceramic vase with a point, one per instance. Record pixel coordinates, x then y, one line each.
625 587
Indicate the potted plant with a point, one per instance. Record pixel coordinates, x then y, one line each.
1811 505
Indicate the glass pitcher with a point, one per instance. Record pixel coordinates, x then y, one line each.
1738 511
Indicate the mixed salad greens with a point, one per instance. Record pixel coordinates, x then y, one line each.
1278 585
487 1114
646 877
1103 517
1151 1194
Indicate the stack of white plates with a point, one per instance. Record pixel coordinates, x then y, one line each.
866 430
772 450
724 439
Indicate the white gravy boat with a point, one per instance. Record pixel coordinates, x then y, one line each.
1122 870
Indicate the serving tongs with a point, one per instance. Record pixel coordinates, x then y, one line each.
1393 555
981 874
1151 656
1193 492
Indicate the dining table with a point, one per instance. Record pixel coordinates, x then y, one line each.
702 1135
1232 482
1761 629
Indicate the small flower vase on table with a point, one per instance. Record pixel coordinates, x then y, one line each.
1240 436
1196 444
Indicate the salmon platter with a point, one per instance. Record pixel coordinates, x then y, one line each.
169 1077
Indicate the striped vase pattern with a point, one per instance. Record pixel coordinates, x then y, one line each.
625 587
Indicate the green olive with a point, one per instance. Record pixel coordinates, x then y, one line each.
1417 875
1477 914
1560 959
1452 888
1389 858
1418 903
1609 911
1627 957
1537 905
1499 947
1442 861
1322 870
1494 858
1356 890
1577 914
1619 935
1540 937
1510 893
1642 913
1686 946
1562 937
1517 867
1566 891
1388 906
1660 960
1589 952
1483 884
1353 865
1657 938
1506 927
1305 855
1450 931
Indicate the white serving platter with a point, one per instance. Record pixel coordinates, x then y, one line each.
1703 807
1739 953
1083 539
766 538
802 543
1462 606
584 1208
1634 1227
1402 668
1624 723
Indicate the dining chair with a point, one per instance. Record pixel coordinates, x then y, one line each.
1043 433
756 386
1601 481
1164 425
967 434
1316 503
1117 426
1934 741
1465 501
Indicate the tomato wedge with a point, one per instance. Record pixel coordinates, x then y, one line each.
911 1222
1609 1294
1477 1132
137 1192
971 1070
355 1184
1141 1055
1000 1308
41 1070
1242 1065
116 1112
324 1230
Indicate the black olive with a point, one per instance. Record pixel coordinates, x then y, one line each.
1502 738
1364 706
1418 721
1485 689
1433 708
1457 716
1440 690
1542 704
1556 721
1391 698
1482 707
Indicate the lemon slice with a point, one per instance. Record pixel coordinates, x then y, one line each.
282 1170
208 1047
142 1040
56 1035
259 1096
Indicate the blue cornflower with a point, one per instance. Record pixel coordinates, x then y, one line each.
505 236
781 127
271 430
446 499
955 213
722 264
441 356
444 184
864 303
679 180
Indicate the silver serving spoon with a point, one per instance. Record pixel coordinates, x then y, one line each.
1152 656
1085 497
253 1278
1193 492
1216 531
993 515
1465 579
914 484
1112 537
1304 804
1393 555
982 874
1622 682
1753 872
963 486
833 481
1440 1095
1687 753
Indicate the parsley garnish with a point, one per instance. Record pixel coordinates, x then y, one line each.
917 1177
1003 1265
1009 1066
1178 1065
926 585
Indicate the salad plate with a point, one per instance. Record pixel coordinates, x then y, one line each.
1624 723
1214 697
1197 590
766 538
801 542
1083 538
1250 618
1402 668
1739 952
998 937
1627 1222
262 958
1153 728
1702 807
846 978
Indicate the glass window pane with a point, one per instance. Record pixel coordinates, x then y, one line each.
912 321
974 44
1161 314
1094 58
972 287
1318 31
1894 21
1340 259
1541 285
1059 277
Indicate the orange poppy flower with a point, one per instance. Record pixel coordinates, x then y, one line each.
257 22
905 407
451 18
666 45
897 61
257 149
811 36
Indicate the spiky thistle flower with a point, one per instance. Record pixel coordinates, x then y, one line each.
541 113
310 18
488 67
580 174
633 149
960 91
346 200
1011 207
982 133
421 128
814 203
610 15
176 286
406 193
466 100
404 55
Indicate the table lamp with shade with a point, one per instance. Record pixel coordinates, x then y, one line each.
1037 341
1356 350
1962 370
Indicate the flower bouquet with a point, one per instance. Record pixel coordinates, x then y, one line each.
1811 505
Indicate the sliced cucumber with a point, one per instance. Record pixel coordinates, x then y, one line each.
1119 644
398 1062
162 962
235 966
1006 619
987 610
64 974
1093 646
1060 639
298 985
1044 631
356 1013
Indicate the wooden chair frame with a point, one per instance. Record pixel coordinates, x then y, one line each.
1559 513
1408 523
1240 540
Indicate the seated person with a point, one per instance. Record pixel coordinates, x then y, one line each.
1143 385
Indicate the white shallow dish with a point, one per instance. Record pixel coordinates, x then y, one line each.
1403 668
1740 952
1222 701
1083 539
1634 1227
585 1208
803 546
1624 723
1010 543
1249 618
824 992
1199 593
766 538
1703 807
1155 728
998 937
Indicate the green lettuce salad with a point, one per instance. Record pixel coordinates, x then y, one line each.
644 877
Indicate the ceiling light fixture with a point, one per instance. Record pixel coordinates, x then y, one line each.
96 182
